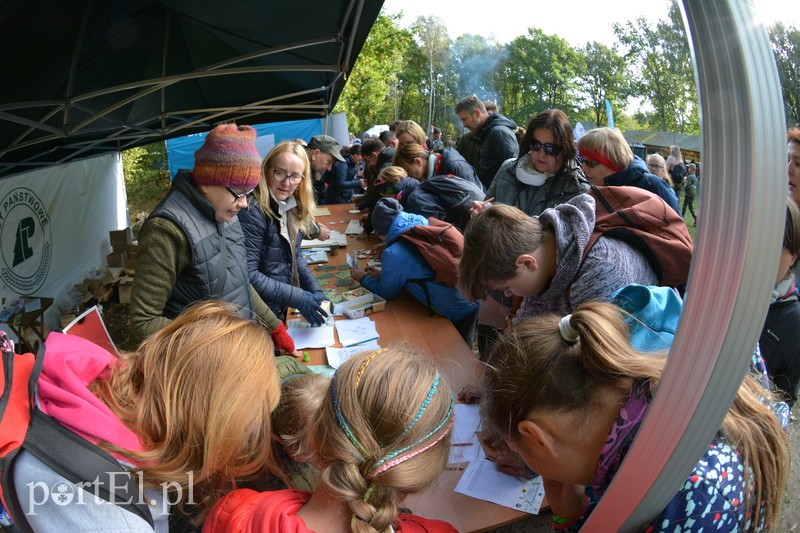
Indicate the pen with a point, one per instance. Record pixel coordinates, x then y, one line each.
362 342
461 444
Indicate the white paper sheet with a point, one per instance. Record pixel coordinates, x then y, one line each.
481 480
337 356
305 336
337 239
465 445
354 227
322 212
356 331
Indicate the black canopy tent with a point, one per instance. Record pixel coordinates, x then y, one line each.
84 77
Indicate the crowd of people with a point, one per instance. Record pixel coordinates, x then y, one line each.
215 406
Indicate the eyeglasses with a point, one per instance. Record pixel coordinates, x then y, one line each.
654 165
281 175
239 195
549 149
588 162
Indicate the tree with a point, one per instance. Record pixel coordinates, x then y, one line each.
604 78
146 176
786 47
539 72
662 69
431 35
371 94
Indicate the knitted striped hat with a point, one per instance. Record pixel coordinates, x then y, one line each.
228 158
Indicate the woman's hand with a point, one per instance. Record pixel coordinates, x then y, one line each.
324 232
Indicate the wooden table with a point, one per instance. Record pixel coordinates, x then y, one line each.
405 319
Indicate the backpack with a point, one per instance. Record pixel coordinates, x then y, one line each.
24 426
678 173
448 198
440 244
644 221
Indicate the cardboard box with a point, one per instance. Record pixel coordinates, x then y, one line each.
117 260
132 261
121 237
124 290
362 305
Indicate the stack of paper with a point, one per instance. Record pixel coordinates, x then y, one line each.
336 239
356 332
337 356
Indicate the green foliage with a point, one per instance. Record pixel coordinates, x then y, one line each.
539 72
661 68
420 73
605 78
146 176
786 47
372 92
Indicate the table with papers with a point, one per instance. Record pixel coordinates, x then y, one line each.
406 320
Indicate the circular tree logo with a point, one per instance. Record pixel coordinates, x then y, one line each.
25 242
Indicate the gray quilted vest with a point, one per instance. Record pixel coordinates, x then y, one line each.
219 262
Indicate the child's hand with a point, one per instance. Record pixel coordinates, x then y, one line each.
478 206
357 274
374 272
506 460
470 394
377 250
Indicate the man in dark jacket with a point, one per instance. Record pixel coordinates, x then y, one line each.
496 132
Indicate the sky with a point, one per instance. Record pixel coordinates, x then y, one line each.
577 21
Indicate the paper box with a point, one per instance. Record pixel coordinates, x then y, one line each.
124 290
117 260
120 237
361 306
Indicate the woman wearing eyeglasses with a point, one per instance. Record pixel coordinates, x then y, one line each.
607 159
192 246
281 211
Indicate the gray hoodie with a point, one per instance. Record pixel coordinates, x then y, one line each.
610 265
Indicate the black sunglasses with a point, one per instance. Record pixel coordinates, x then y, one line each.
549 149
588 162
238 195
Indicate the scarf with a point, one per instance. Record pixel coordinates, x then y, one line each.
526 172
785 288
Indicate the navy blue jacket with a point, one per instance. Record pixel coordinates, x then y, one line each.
637 175
275 266
342 181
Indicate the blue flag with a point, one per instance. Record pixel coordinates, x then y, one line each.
609 114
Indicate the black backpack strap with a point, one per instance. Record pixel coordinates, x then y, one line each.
81 462
9 492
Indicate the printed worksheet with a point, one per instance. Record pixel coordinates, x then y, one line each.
356 331
482 480
465 445
337 356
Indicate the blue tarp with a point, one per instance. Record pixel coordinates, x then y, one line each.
180 151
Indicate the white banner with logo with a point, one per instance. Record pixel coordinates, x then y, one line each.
54 225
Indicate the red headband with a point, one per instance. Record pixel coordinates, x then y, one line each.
600 158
